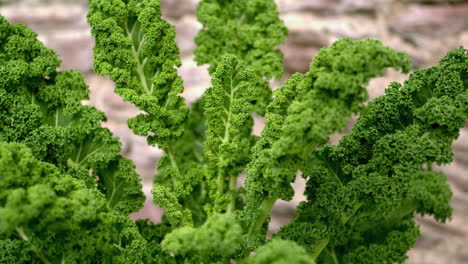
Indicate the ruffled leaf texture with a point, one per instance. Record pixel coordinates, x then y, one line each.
213 242
228 108
279 251
135 47
305 111
258 53
66 192
51 217
250 30
42 108
269 32
362 193
182 161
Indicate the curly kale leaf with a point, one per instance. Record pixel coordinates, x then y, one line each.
258 32
188 162
42 108
228 108
278 251
380 174
250 30
305 112
135 47
215 240
259 54
49 217
185 158
390 247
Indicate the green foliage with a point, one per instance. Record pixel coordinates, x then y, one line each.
382 169
251 30
228 106
66 193
42 108
305 111
214 241
135 47
279 251
50 217
64 185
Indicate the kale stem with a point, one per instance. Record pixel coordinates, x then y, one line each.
335 259
265 209
174 165
319 247
345 219
322 244
33 248
220 181
232 193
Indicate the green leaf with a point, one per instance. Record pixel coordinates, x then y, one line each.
228 108
215 240
135 47
42 108
380 167
51 217
305 111
250 30
278 251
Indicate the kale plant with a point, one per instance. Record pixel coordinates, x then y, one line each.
66 192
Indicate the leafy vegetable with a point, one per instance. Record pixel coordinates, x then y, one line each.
279 251
66 193
250 30
215 240
382 169
65 190
41 108
228 105
304 112
136 48
49 217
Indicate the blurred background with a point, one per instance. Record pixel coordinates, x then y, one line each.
425 29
